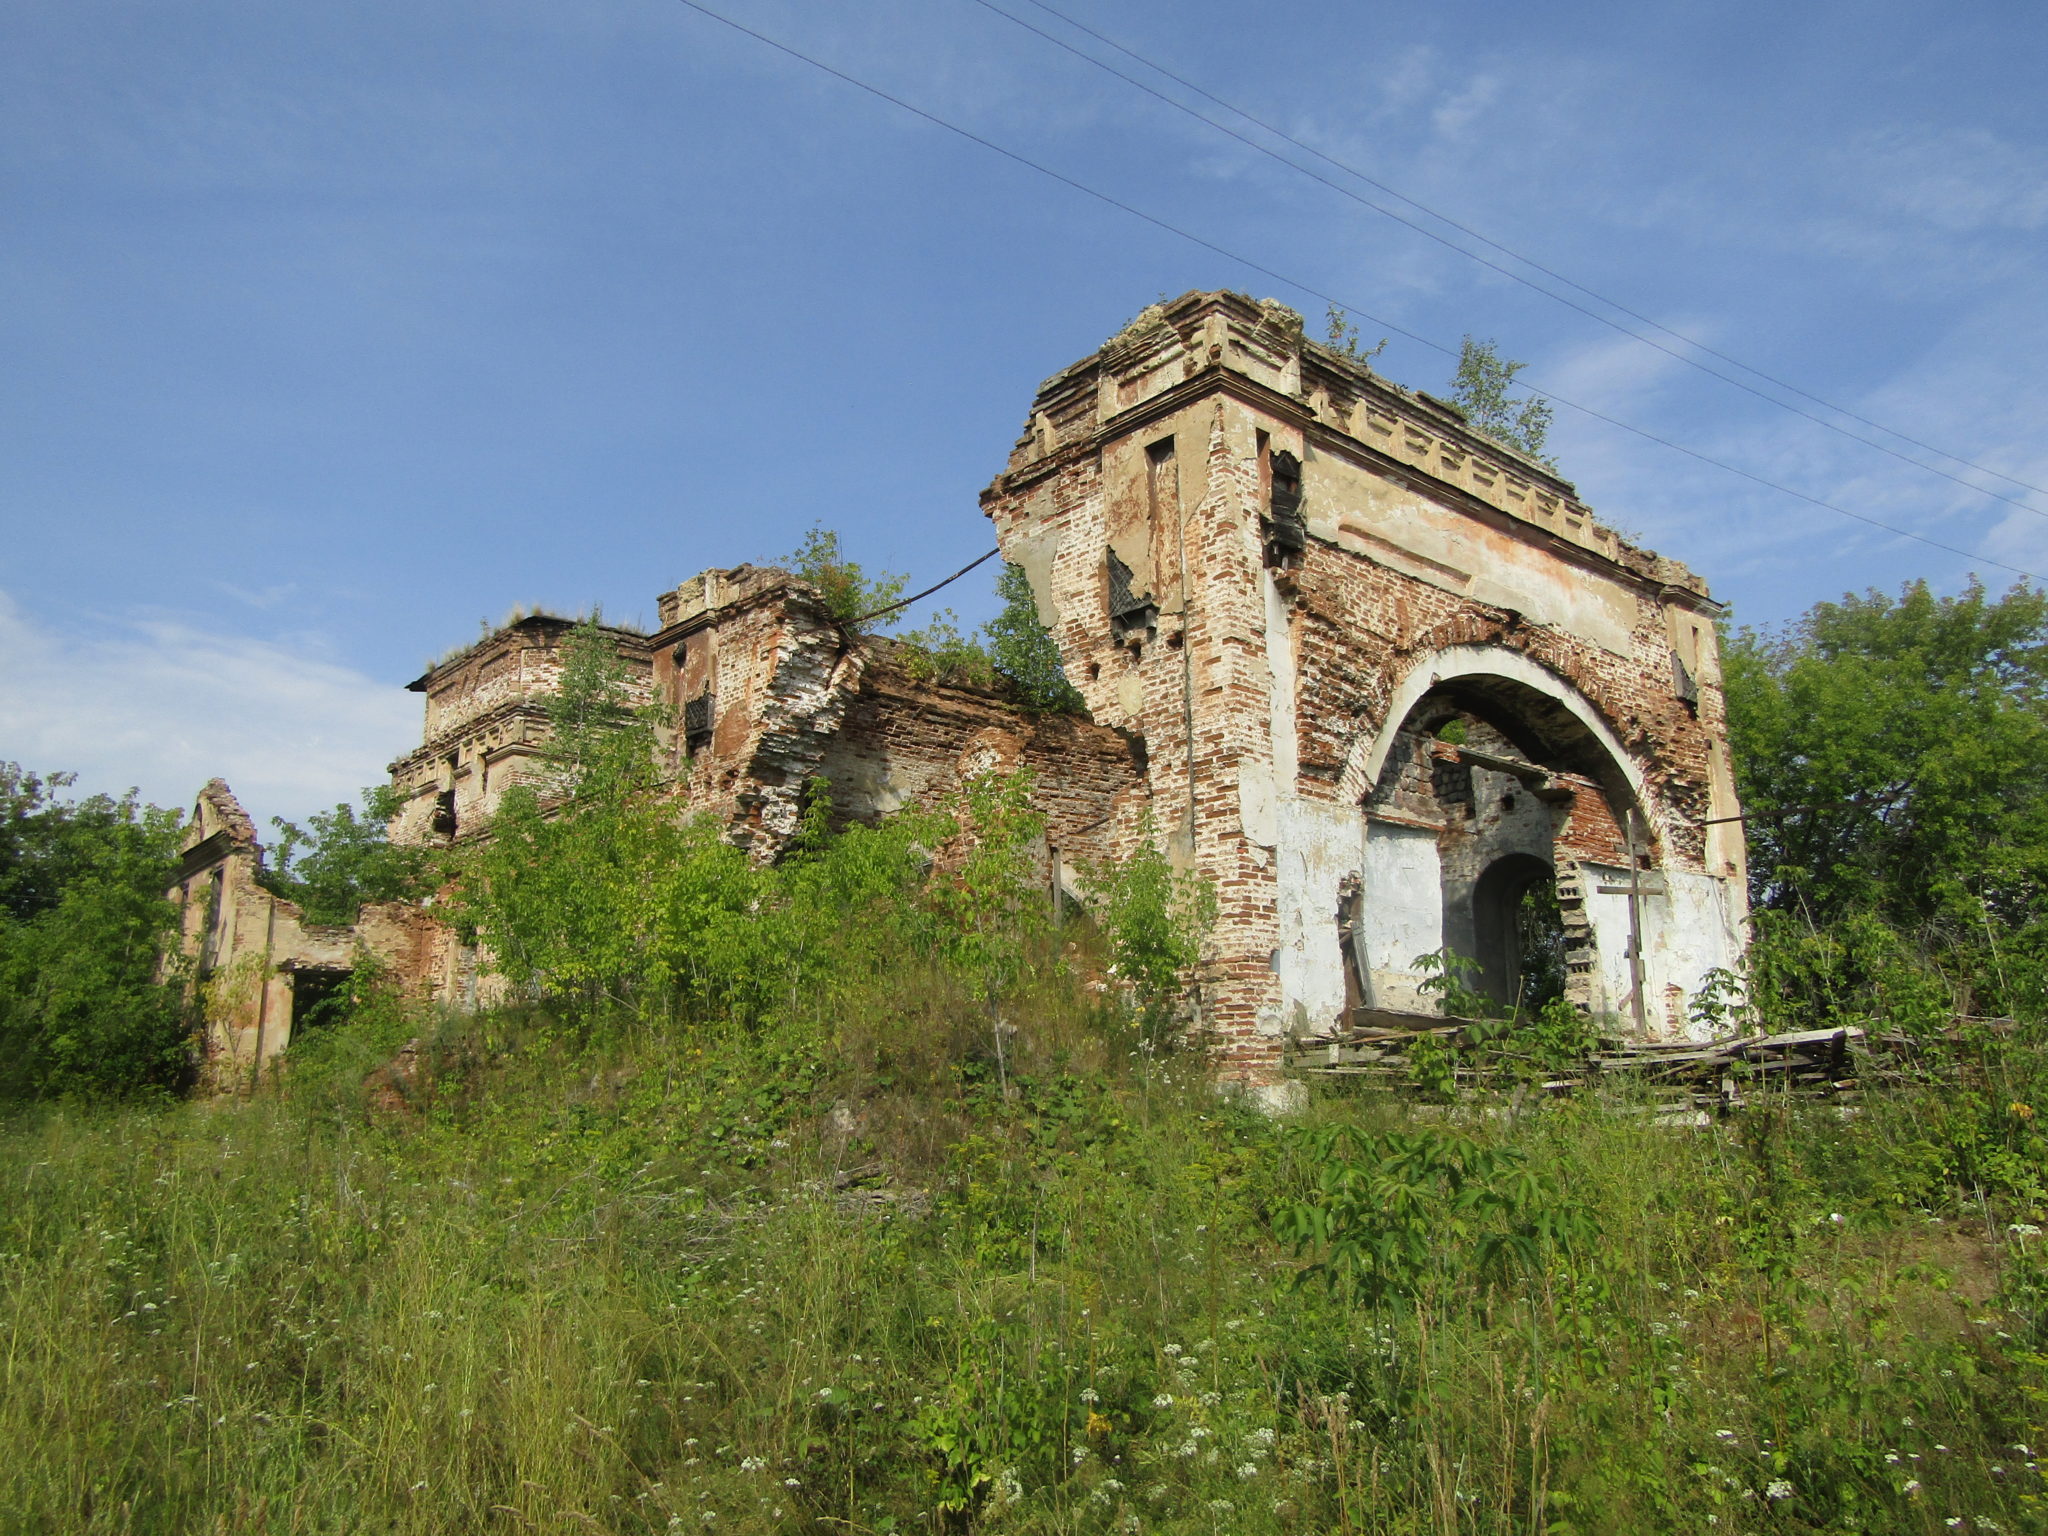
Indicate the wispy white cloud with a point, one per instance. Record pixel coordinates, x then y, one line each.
1957 179
264 597
162 704
1465 106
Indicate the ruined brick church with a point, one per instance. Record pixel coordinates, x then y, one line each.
1376 678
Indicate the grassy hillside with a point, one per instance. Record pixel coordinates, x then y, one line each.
824 1273
853 1194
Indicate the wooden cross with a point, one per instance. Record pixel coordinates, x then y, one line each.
1635 891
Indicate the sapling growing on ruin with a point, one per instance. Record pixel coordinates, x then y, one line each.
1481 389
851 595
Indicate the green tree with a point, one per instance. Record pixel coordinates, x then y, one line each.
601 739
345 860
1893 761
1024 651
938 652
850 593
1155 918
1481 388
1340 335
84 1006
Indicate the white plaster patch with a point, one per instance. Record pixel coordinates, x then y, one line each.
1255 803
1319 846
1687 931
1130 695
1403 914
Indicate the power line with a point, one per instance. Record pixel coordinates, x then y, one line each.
1494 266
916 597
1279 277
1529 261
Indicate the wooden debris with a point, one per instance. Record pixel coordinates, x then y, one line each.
1831 1064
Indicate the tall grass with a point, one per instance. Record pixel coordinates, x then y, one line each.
830 1276
850 1196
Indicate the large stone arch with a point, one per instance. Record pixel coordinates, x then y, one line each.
1545 743
1515 673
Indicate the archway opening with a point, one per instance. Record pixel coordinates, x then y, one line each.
1491 799
1518 932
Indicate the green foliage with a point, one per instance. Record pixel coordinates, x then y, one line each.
577 1277
1023 650
1893 760
1400 1217
1720 1003
938 652
988 900
83 922
1155 919
849 592
1481 388
601 746
1340 335
347 860
1448 976
1531 1041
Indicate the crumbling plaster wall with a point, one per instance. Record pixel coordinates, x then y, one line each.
486 724
776 674
254 956
1268 698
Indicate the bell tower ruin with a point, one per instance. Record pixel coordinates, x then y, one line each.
1396 692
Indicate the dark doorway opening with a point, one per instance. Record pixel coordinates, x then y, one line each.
319 996
1519 932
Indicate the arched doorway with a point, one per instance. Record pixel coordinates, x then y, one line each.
1495 803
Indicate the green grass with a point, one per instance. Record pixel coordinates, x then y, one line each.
826 1277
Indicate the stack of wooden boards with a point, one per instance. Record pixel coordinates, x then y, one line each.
1827 1063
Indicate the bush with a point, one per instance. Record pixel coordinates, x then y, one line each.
84 923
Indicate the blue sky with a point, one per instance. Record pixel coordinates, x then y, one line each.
334 331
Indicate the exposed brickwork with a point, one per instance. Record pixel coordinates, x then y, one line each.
485 725
1282 688
257 962
1394 692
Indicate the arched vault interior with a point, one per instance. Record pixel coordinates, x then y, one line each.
1498 803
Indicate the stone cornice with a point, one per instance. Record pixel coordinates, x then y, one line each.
1218 378
497 715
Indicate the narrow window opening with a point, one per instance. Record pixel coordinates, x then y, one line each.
1132 614
1350 945
698 716
1286 528
209 943
443 823
1683 683
319 996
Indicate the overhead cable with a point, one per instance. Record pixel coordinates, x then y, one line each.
1494 266
927 592
1295 283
